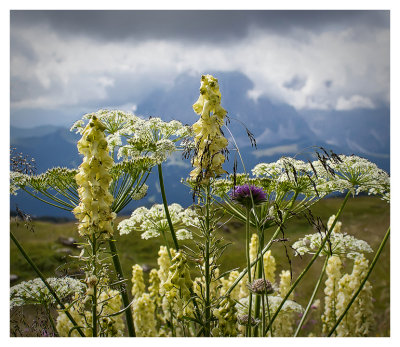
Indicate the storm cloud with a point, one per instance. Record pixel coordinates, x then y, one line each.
317 60
208 26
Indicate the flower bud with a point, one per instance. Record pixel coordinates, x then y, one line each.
261 286
244 320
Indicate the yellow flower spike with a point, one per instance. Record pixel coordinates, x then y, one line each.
178 278
209 140
94 210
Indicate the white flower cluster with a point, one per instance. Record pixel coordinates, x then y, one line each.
154 138
140 193
290 174
116 122
282 168
336 174
16 180
339 244
356 174
35 292
133 137
57 178
153 222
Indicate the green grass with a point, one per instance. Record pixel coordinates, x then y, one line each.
366 218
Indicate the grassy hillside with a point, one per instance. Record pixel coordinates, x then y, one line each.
364 217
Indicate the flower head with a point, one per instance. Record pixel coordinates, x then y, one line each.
247 195
244 320
153 222
261 286
35 292
210 143
339 244
93 178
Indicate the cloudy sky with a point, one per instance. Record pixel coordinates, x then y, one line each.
66 63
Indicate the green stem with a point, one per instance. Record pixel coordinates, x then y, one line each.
47 202
53 326
263 314
207 266
52 292
166 244
123 289
378 253
269 317
248 267
294 285
94 295
260 274
164 198
303 318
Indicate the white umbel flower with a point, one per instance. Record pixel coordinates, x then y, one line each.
35 292
153 222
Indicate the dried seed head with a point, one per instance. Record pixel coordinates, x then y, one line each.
244 320
261 286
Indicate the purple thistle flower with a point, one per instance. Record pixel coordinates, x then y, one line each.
243 195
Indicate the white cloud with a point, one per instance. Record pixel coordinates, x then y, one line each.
259 153
355 101
175 159
339 69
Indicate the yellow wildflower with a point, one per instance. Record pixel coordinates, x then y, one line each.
94 210
209 139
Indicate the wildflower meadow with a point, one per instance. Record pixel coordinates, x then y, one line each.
193 291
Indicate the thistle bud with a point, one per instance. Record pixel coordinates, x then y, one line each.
244 320
261 286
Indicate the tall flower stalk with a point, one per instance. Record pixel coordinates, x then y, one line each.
94 210
210 145
249 196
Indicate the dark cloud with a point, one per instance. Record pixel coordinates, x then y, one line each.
296 83
194 25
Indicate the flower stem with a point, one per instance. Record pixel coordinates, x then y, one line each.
164 198
123 289
52 292
260 274
248 267
94 295
53 325
207 274
303 318
294 285
378 253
